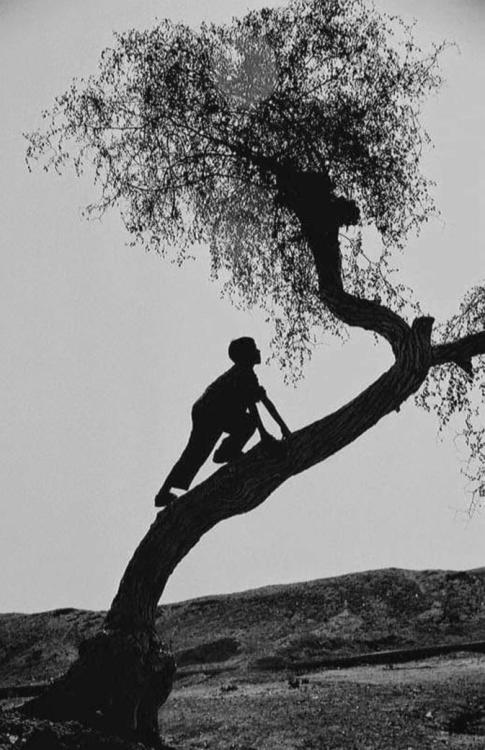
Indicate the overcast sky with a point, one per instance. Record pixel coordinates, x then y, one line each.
105 348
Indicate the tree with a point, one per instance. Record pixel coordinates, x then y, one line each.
275 140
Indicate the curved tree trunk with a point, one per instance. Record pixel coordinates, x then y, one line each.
124 674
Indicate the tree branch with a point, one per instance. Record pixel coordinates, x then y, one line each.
460 352
243 485
321 214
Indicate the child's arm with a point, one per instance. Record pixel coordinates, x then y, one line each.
263 432
272 410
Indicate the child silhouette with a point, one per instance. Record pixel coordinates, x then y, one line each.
228 406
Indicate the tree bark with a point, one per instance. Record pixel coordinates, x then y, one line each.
124 674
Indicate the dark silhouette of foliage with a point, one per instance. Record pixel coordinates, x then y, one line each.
456 391
182 127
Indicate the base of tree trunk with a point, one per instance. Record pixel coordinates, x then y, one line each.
116 686
30 733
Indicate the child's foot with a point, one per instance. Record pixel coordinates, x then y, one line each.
164 497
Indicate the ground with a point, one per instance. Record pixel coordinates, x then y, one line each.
418 705
438 703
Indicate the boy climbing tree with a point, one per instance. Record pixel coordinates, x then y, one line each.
228 405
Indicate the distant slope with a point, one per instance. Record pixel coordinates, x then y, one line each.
346 615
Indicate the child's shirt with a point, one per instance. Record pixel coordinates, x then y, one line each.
231 393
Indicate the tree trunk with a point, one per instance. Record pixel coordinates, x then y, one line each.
117 684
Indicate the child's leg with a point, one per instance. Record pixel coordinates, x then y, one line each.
240 430
202 440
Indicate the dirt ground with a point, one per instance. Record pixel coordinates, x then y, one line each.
439 703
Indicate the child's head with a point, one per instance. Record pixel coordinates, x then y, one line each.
244 351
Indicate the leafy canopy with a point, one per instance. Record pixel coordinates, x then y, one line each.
178 123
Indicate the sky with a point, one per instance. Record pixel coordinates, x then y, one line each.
104 348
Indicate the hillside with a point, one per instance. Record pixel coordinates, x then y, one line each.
349 614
